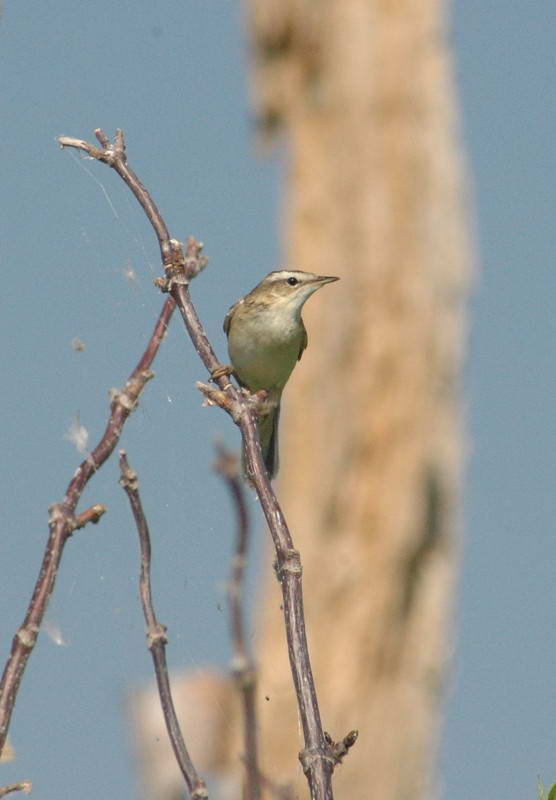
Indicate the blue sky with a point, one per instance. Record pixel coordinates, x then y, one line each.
172 74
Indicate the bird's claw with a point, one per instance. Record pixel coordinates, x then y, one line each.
221 371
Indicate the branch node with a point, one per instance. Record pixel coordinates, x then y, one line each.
175 276
56 514
291 564
200 792
178 269
157 635
111 153
128 398
311 756
118 397
162 284
27 635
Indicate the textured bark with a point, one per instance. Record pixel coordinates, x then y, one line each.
371 447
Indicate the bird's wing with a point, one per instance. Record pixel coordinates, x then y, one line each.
304 341
228 317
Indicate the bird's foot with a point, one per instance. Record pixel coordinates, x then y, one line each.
221 371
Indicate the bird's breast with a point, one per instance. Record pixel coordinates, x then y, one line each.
264 349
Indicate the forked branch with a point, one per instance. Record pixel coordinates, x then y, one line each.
62 521
319 755
316 758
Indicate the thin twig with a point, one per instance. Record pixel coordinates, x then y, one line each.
22 786
243 667
317 760
156 635
114 155
62 521
92 514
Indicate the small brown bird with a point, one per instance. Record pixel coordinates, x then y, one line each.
266 338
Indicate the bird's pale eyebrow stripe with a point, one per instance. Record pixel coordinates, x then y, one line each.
280 275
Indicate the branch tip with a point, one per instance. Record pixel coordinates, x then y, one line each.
22 786
195 262
128 477
102 137
92 514
339 750
217 397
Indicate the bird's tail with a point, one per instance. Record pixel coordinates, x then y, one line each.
267 427
268 435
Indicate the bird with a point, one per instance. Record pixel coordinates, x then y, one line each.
266 338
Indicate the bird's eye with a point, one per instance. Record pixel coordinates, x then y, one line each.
292 281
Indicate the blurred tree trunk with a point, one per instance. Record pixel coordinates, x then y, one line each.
371 447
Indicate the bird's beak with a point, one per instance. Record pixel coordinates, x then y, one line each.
322 279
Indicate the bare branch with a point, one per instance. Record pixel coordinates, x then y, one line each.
62 521
243 667
317 761
316 758
156 635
